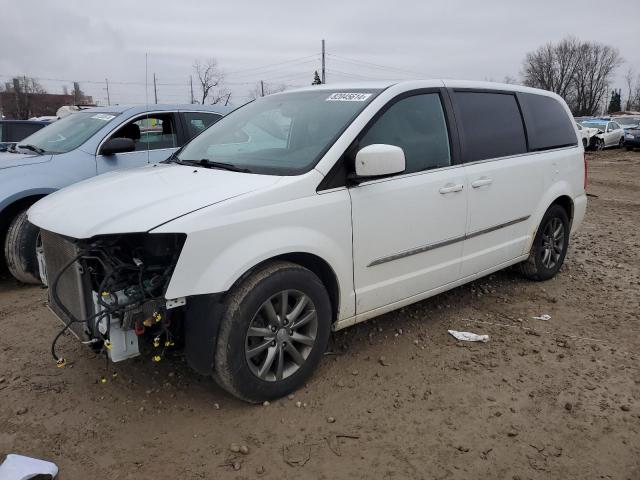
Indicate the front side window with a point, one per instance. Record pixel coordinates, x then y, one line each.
614 126
492 125
417 125
197 122
68 133
154 131
282 134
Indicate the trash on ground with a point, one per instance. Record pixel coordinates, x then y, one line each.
543 317
469 337
18 467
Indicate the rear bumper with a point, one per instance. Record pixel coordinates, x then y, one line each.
579 211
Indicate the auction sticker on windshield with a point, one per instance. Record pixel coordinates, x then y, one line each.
103 116
348 97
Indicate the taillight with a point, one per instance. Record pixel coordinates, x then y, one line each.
585 171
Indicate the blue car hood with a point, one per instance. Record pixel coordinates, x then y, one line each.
8 159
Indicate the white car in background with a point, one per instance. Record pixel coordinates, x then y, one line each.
610 134
587 135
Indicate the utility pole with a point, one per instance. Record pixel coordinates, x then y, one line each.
191 83
155 88
323 78
106 81
261 88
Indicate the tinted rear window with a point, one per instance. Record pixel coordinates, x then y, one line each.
491 124
548 125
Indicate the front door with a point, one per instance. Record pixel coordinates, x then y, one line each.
155 136
408 229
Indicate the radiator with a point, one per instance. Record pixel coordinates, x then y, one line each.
73 288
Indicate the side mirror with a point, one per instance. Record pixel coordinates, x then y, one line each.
117 145
379 159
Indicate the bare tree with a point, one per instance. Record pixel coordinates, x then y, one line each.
508 79
629 79
593 76
580 72
262 89
24 88
209 76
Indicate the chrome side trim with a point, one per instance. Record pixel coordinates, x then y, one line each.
444 243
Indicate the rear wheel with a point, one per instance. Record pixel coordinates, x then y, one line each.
274 330
20 247
621 143
549 246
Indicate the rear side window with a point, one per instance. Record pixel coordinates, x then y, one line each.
199 121
548 125
20 131
417 125
491 124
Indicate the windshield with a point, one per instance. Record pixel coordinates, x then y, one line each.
599 126
283 134
64 135
628 122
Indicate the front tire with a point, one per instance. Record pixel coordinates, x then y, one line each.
273 333
549 246
599 145
20 249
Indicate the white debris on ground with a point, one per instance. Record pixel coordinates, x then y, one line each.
544 317
18 467
469 337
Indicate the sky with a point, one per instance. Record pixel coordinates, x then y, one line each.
279 42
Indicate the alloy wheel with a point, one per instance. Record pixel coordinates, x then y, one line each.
281 335
552 242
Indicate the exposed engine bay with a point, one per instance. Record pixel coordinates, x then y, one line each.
109 291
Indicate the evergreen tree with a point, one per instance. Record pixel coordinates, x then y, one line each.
316 79
615 105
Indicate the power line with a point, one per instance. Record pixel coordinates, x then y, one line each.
374 65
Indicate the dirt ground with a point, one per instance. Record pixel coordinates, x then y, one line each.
542 399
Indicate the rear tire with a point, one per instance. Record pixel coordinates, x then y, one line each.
549 246
262 353
621 143
20 249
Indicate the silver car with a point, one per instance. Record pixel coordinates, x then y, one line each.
80 146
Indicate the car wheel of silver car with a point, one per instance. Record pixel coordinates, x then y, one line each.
621 143
274 330
599 144
20 249
549 245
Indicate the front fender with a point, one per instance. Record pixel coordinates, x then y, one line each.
217 254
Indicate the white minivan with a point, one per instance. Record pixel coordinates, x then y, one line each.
309 211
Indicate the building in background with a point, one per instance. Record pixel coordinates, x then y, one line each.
24 98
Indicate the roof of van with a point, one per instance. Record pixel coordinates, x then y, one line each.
152 107
423 83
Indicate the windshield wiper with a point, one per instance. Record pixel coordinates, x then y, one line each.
33 148
205 162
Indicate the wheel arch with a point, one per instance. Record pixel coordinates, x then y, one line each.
566 202
14 204
319 266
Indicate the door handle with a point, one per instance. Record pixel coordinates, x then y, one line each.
481 182
451 188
